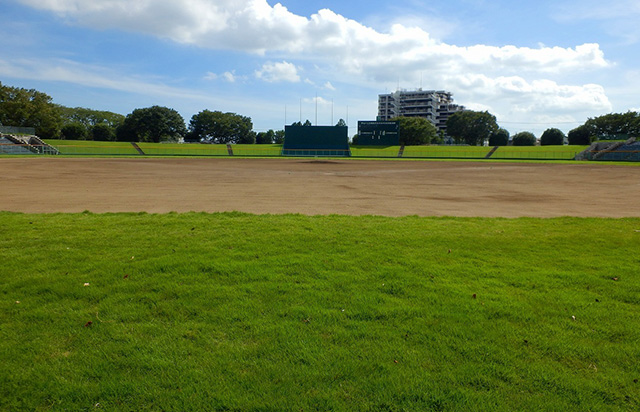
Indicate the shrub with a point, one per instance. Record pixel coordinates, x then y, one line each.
499 138
74 131
580 136
524 139
551 137
103 132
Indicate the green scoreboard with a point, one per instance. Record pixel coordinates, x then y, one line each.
316 141
378 133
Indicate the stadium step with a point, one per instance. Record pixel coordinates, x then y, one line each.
10 147
491 152
135 146
30 143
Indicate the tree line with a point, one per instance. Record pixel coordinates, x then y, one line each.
474 128
30 108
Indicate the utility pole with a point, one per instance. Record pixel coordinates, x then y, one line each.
332 112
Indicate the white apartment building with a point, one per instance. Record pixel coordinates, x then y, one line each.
433 105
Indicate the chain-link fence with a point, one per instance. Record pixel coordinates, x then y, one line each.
17 130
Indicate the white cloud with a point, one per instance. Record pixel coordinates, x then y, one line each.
229 76
60 70
211 76
517 99
187 101
278 72
226 76
321 101
255 26
329 86
515 81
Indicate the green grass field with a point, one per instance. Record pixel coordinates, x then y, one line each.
375 151
454 152
257 149
538 152
175 149
90 147
237 312
446 151
503 152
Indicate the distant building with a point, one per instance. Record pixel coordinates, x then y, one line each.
433 105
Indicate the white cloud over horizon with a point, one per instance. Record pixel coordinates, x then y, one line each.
255 27
517 82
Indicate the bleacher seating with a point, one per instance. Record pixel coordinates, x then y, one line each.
25 145
9 147
624 153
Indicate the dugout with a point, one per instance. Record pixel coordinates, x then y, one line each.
316 141
378 133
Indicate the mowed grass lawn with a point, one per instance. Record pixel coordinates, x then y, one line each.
567 152
476 152
160 149
89 148
375 151
237 312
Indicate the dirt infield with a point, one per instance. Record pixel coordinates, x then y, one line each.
353 187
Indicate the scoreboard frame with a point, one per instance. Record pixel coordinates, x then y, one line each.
378 133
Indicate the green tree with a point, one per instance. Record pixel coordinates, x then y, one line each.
74 131
499 138
354 140
341 123
103 132
470 127
552 137
415 131
439 138
307 123
89 117
524 139
614 124
152 124
29 108
249 138
279 137
219 127
296 123
581 135
267 137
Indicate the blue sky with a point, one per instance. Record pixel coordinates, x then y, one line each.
533 64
